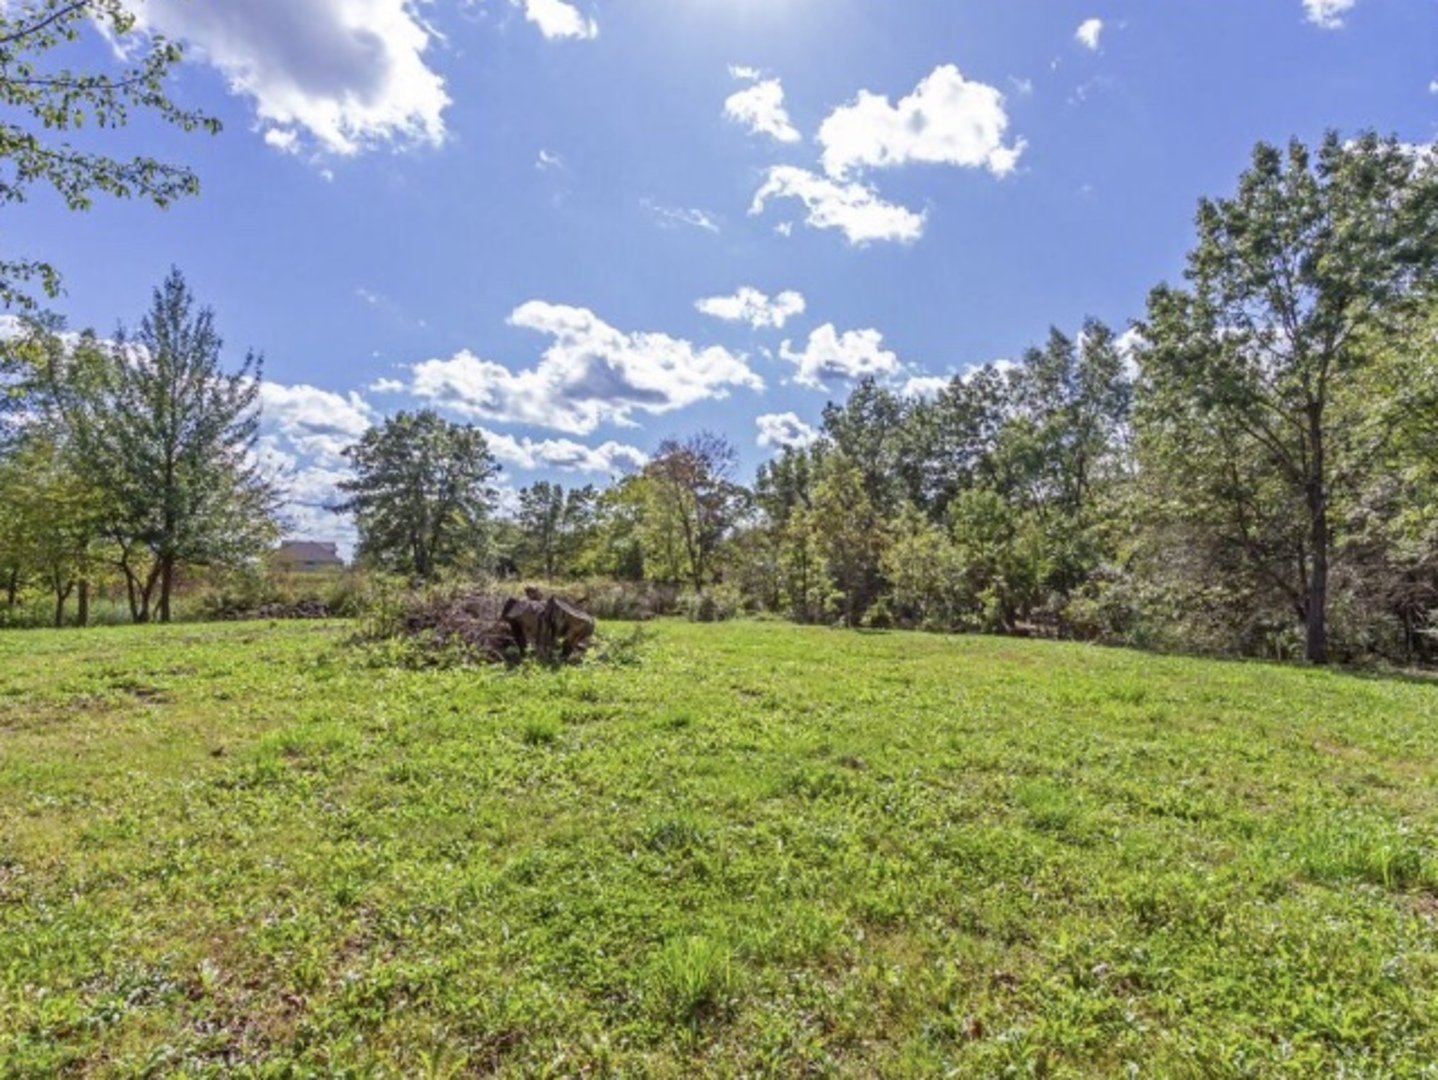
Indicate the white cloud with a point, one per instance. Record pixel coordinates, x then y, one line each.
1424 155
947 120
304 429
610 459
760 108
590 375
751 306
309 489
925 386
1088 88
558 19
282 139
1088 33
854 208
349 75
785 429
674 216
1327 13
317 423
1433 87
830 356
1129 345
547 161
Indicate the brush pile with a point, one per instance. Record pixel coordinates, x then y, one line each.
479 626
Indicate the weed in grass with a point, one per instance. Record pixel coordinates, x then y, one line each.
673 834
1376 853
588 714
622 649
692 980
541 731
1049 807
676 719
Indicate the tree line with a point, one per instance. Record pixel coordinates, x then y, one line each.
1250 468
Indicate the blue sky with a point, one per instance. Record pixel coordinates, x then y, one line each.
588 226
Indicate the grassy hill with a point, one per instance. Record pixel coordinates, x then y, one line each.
760 850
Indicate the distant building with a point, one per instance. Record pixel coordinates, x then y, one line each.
306 555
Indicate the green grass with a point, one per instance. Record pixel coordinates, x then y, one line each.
240 850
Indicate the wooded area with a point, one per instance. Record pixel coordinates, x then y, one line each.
1249 469
1252 468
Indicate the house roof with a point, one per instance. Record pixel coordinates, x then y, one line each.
309 551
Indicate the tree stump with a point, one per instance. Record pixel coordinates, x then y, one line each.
548 625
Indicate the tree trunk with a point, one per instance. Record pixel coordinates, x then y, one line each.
62 593
12 588
1317 621
132 593
693 556
147 592
167 582
136 591
82 603
1317 498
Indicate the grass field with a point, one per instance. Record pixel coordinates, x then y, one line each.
759 850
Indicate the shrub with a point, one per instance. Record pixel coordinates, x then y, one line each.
880 615
708 607
630 601
257 591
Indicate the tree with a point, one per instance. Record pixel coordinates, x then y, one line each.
553 525
56 515
29 359
867 429
952 437
612 541
420 495
924 573
540 519
1074 398
692 504
1314 258
847 529
59 520
783 492
1064 444
46 97
999 550
1387 563
14 566
167 436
